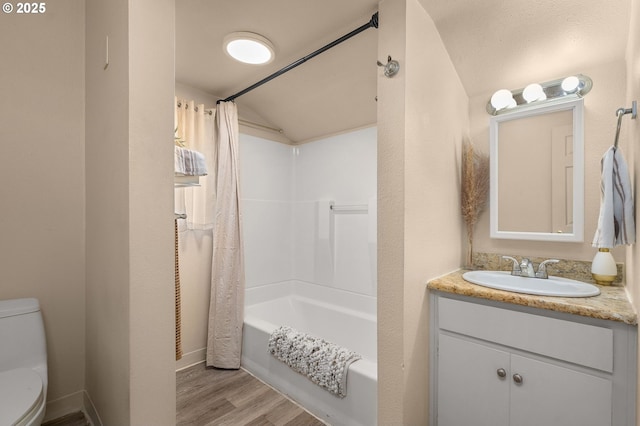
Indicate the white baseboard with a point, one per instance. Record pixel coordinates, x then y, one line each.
90 411
65 405
81 401
72 403
191 358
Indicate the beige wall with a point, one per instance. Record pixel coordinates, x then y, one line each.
184 91
107 157
391 200
42 173
630 145
151 237
107 182
600 105
422 119
129 131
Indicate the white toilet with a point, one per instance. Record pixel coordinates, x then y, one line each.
23 363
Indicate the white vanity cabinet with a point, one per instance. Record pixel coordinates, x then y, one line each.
498 364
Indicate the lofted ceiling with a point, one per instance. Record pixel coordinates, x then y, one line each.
330 93
492 44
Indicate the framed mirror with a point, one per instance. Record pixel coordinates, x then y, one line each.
537 172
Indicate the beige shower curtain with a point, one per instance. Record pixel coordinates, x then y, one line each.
195 130
226 309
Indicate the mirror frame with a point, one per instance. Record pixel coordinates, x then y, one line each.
576 104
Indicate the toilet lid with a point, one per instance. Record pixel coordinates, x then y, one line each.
20 392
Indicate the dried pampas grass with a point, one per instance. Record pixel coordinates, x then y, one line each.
474 191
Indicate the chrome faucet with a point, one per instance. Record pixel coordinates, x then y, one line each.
525 268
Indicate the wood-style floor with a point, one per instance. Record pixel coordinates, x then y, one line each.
73 419
208 396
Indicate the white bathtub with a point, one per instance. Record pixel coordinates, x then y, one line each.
344 318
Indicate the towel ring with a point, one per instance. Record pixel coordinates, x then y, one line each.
621 112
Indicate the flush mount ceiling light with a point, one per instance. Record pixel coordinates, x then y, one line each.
250 48
505 100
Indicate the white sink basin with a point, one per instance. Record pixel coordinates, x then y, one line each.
553 286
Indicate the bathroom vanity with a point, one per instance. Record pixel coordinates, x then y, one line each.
500 358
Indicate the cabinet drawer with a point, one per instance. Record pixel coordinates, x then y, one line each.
583 344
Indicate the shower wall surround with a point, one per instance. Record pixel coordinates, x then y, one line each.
266 176
290 233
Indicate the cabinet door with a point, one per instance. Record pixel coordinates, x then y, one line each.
552 395
470 391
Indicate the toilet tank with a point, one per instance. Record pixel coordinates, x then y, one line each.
22 335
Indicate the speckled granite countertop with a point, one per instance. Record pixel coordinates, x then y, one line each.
612 303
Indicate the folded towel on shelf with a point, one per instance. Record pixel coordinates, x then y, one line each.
616 223
188 162
325 364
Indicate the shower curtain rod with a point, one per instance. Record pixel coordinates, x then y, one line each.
373 22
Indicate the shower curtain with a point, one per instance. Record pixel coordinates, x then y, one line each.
226 308
195 130
215 205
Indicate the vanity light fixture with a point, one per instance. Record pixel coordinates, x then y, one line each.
250 48
505 100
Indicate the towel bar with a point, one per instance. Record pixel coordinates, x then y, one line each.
356 208
622 112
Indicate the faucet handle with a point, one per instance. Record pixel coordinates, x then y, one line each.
542 268
515 270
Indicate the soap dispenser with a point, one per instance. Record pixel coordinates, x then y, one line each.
603 267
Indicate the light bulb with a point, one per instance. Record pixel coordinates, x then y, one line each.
502 99
570 84
533 92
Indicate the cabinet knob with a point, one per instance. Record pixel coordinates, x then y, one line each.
517 378
502 373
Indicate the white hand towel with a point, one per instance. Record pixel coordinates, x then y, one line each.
189 162
178 160
616 223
